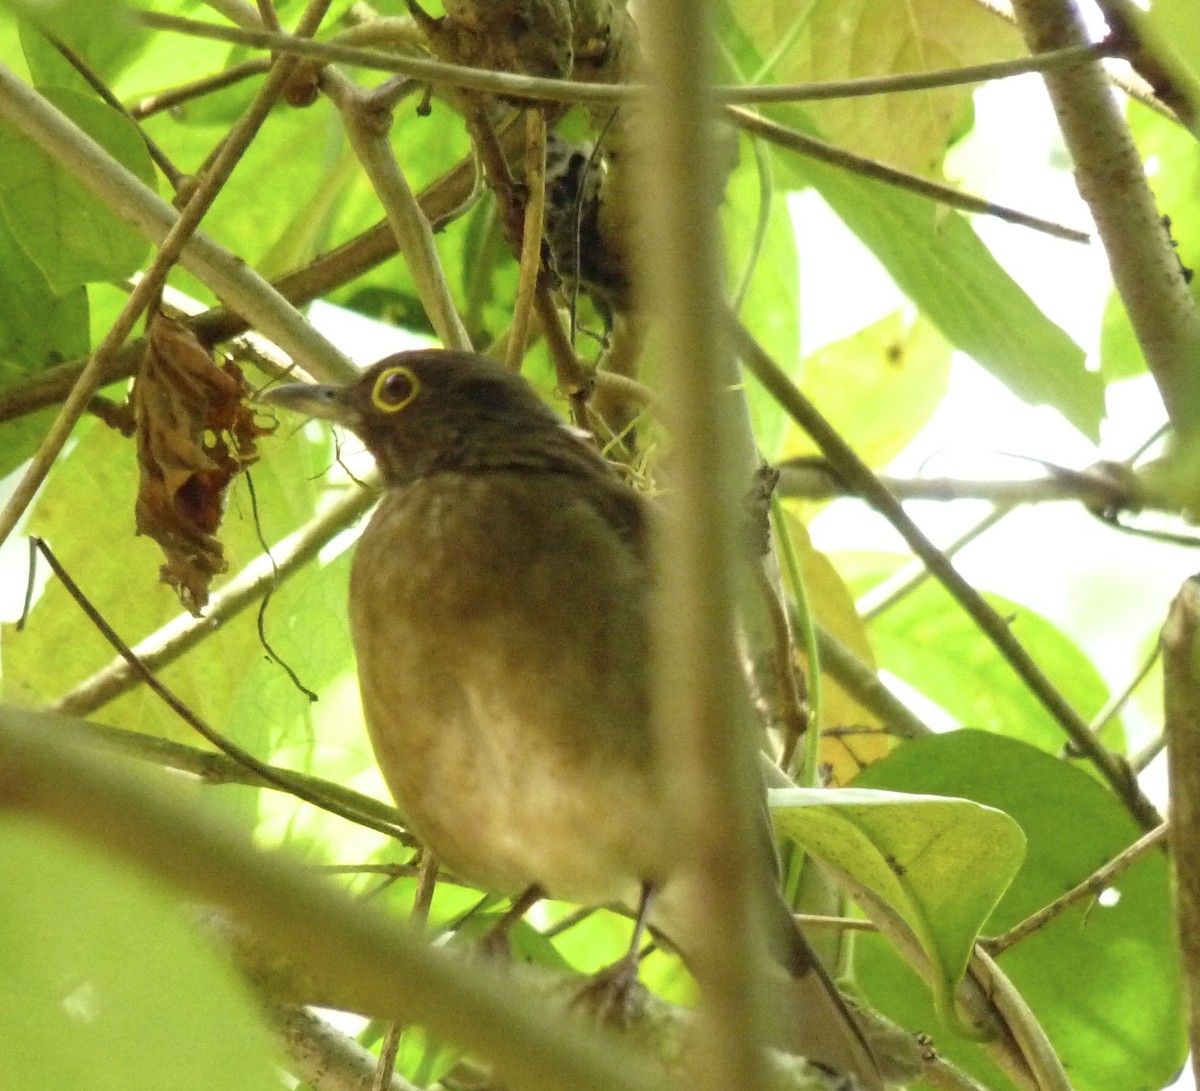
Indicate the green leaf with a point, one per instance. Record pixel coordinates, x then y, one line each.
939 262
879 387
1120 354
1103 977
929 641
37 329
847 39
105 984
72 19
69 234
101 37
938 864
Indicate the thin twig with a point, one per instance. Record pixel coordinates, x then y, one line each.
1139 760
858 477
1109 174
531 239
148 105
389 1050
542 89
148 288
810 146
1119 699
214 767
885 595
1094 884
170 171
814 479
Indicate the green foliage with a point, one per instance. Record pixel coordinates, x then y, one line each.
933 864
71 236
1103 977
105 983
927 640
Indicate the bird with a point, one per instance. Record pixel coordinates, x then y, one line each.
499 612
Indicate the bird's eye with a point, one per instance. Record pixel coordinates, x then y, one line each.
395 388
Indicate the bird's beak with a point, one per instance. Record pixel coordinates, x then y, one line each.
327 402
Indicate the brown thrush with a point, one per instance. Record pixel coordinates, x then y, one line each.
498 606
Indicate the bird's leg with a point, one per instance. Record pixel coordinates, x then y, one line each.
612 992
495 941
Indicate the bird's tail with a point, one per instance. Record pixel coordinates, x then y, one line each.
817 1022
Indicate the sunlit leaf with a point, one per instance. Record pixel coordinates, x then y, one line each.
879 387
1103 977
838 40
38 328
68 233
105 984
939 865
928 640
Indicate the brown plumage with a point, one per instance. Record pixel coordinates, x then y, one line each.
499 609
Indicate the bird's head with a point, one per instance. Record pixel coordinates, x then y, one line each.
428 410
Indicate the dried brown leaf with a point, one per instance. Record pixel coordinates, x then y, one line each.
194 436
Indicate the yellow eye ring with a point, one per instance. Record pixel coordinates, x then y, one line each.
395 388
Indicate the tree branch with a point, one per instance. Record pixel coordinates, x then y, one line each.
1181 701
367 125
213 767
702 714
1096 487
1110 177
544 89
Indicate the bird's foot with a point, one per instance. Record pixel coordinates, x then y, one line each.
614 995
495 941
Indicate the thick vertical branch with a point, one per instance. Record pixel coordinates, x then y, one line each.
1110 177
1181 700
703 711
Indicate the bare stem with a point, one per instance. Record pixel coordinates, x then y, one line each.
367 126
796 141
531 240
542 89
702 714
1093 885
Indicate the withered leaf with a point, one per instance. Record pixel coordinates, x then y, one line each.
194 436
